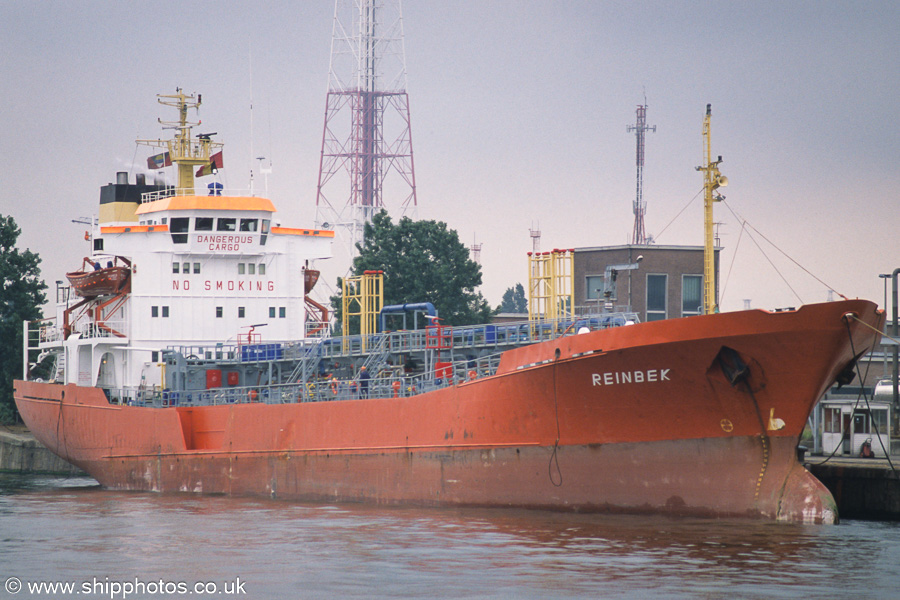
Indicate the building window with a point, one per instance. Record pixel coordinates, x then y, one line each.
174 267
240 312
262 269
691 295
832 420
203 224
165 312
218 312
154 311
196 267
656 297
593 286
281 312
271 312
880 421
240 268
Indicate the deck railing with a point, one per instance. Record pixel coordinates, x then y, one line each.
321 389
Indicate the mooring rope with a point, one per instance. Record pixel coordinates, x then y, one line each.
862 387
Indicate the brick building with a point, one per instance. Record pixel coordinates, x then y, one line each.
657 282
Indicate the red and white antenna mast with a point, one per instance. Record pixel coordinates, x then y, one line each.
367 128
639 236
475 249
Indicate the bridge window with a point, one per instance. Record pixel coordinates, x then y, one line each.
179 228
218 312
249 224
203 224
226 224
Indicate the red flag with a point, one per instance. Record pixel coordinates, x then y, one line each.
215 163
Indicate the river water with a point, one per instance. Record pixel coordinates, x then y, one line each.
68 531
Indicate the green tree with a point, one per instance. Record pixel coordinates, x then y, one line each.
423 261
21 298
514 300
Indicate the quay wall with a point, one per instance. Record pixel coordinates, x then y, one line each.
862 489
20 452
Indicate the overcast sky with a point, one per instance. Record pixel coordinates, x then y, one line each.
519 114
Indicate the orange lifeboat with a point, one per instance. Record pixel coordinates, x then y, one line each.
94 280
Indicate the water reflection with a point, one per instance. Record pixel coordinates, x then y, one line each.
71 528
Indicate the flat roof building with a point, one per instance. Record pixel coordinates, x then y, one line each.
656 282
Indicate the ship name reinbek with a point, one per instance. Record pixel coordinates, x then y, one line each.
638 376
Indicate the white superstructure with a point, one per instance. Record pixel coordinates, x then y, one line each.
200 271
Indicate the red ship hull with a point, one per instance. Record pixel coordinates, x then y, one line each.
646 418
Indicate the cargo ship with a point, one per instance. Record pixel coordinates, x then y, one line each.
162 380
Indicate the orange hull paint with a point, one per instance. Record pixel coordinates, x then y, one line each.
636 419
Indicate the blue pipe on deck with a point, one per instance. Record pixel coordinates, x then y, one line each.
394 309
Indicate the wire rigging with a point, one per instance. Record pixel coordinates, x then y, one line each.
733 256
675 218
783 253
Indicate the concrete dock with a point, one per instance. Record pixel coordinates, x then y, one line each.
20 452
864 488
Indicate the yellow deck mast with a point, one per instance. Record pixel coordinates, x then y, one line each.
184 151
712 180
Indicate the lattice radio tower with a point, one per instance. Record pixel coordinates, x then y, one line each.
475 250
367 131
639 236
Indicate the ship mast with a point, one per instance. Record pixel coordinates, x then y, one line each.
184 151
712 180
